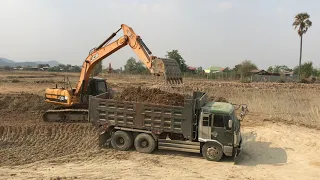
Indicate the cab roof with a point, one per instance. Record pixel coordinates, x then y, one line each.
218 107
97 78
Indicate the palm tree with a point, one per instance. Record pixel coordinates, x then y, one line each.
303 23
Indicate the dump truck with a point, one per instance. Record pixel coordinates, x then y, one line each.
199 126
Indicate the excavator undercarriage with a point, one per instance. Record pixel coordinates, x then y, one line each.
66 115
76 113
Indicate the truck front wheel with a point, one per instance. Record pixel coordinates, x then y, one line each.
144 143
122 140
212 151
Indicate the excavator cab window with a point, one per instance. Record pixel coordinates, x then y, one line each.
96 87
101 87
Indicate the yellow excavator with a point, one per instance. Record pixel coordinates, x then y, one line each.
74 101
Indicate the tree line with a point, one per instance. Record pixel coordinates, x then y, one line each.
244 68
301 23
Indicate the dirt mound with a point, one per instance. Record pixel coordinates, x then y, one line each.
26 144
19 77
23 102
217 99
22 107
150 95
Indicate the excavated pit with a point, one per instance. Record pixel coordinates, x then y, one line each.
22 143
25 138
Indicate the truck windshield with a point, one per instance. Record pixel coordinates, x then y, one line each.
236 121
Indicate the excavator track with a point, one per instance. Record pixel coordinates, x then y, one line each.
66 115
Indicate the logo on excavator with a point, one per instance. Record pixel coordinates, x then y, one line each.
94 56
129 33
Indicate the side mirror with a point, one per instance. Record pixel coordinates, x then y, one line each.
230 124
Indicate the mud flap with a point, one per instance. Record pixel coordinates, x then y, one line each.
104 139
236 155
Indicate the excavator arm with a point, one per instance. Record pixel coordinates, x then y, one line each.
158 66
137 45
95 57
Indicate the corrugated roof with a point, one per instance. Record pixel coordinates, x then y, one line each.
215 68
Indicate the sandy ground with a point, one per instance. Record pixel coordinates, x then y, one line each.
270 151
277 145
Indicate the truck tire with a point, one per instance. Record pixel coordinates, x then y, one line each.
144 143
122 140
212 151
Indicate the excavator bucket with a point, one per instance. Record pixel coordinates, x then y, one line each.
169 68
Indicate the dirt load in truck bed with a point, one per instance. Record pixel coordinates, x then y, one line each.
150 95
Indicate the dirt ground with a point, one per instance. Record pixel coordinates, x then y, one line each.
280 141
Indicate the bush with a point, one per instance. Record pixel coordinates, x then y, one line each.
245 80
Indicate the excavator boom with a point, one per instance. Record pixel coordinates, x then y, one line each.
158 66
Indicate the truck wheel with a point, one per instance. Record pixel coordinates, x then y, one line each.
144 143
121 140
212 151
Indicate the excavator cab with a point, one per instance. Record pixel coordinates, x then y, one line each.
96 86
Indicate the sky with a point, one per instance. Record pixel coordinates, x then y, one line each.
205 32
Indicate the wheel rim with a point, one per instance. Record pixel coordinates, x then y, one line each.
120 141
144 144
212 152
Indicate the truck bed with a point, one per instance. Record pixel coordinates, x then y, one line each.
143 116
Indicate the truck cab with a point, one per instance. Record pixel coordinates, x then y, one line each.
219 130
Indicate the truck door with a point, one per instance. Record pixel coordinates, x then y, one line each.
205 129
220 130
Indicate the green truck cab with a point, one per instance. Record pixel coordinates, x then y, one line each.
219 130
200 126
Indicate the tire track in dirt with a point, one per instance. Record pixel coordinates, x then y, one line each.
26 144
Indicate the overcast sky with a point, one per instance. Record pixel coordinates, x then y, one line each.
206 32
